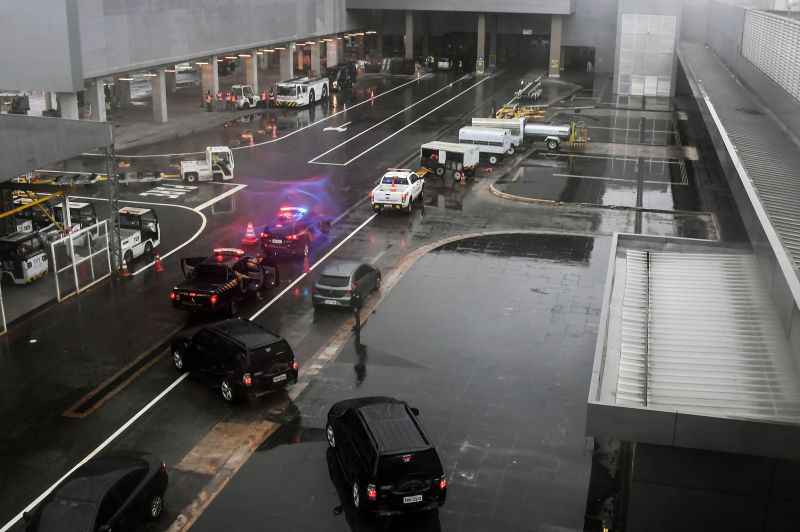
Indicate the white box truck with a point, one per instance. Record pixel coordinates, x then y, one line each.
439 157
492 143
217 166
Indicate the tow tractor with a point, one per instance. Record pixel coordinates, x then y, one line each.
220 282
298 92
245 97
398 189
140 233
23 257
217 166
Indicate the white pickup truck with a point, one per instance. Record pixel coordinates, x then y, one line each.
398 189
217 166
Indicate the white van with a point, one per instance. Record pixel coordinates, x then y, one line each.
515 127
493 143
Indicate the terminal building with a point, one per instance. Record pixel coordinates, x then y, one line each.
695 391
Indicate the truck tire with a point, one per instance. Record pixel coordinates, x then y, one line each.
324 92
458 175
128 258
552 145
493 160
511 150
439 171
191 177
311 99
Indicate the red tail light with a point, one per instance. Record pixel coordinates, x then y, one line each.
292 237
163 467
264 235
295 365
173 296
214 299
247 379
372 493
442 483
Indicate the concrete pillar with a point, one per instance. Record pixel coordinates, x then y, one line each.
287 62
209 77
493 45
480 60
409 36
251 70
172 81
158 85
50 101
97 99
332 52
122 92
316 62
555 46
68 104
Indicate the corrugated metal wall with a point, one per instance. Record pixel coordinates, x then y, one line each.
772 44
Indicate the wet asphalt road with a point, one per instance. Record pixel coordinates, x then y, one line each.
458 322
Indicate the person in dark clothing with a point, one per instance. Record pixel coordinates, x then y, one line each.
355 303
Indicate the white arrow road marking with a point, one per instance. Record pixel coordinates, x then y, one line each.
339 129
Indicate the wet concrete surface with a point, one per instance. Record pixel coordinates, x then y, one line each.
88 339
492 338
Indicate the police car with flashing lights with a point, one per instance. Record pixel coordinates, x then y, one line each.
294 231
219 283
398 189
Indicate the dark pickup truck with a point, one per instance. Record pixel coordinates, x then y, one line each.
220 282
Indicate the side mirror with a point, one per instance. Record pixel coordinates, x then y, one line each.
414 410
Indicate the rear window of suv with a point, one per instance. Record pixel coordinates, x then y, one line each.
334 280
399 467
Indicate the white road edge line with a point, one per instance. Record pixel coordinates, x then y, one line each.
373 126
311 269
220 197
411 123
96 451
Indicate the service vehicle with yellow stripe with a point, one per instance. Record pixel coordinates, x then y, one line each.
302 91
219 283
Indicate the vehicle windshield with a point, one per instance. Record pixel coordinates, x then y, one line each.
211 273
65 514
334 280
248 92
394 180
128 221
287 90
396 468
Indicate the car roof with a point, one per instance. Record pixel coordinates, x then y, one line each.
92 481
341 268
247 333
393 427
398 173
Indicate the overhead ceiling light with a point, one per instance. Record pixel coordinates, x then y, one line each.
339 38
170 70
280 48
270 50
231 57
220 60
359 34
244 55
259 52
323 41
310 42
371 32
149 75
201 63
125 79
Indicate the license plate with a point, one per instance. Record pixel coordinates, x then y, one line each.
279 378
412 499
329 302
275 241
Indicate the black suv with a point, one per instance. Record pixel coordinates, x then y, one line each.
239 357
388 462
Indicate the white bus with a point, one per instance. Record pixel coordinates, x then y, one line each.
492 143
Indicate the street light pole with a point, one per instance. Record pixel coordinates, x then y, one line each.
113 201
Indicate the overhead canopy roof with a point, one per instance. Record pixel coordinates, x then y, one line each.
691 352
28 142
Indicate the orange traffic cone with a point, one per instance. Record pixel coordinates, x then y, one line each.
123 272
157 266
250 237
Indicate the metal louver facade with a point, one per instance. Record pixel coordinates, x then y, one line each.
772 43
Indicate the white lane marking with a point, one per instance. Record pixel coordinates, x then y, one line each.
168 190
202 216
311 268
96 451
249 146
373 126
220 197
338 129
409 124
